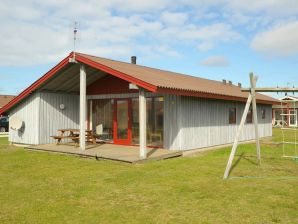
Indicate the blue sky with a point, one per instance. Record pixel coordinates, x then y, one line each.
211 39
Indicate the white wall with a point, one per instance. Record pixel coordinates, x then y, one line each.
27 111
42 117
198 123
52 118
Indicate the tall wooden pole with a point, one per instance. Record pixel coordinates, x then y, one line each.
82 107
251 99
235 144
142 123
253 81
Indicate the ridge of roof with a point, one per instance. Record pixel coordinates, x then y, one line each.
176 81
152 79
148 67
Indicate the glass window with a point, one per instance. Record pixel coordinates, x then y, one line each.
122 119
102 118
249 116
263 113
135 121
232 115
154 121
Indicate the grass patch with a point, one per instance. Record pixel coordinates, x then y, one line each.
49 188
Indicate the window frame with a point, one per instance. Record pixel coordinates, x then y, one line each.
233 120
263 113
249 119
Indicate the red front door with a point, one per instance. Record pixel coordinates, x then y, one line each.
122 121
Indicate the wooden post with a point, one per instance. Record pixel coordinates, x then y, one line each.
90 116
235 144
82 107
288 116
253 81
142 123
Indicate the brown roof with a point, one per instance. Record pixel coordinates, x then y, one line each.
4 99
175 81
152 79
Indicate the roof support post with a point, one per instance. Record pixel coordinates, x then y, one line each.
142 123
82 107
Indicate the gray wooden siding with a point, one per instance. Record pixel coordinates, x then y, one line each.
27 111
192 123
172 122
52 118
189 122
120 95
42 117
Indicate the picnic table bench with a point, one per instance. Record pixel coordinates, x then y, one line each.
74 135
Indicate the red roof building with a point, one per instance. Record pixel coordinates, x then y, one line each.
182 112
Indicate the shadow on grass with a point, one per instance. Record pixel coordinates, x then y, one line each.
240 157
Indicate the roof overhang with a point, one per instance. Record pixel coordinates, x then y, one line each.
210 95
289 99
48 79
80 59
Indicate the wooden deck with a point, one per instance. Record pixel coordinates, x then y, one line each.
129 154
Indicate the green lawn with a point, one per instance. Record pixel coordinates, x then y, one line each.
38 187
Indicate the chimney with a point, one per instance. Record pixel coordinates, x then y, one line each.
239 84
230 83
224 81
134 60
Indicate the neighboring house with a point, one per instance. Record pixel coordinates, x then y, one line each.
4 99
182 112
285 112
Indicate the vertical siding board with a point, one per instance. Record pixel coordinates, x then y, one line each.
172 121
205 123
189 122
28 112
53 118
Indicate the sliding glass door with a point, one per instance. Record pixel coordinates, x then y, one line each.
122 121
155 112
101 118
117 120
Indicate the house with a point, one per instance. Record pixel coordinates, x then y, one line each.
285 112
133 105
4 99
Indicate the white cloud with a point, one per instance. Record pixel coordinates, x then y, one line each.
35 32
215 61
205 37
174 18
205 46
39 32
281 40
273 8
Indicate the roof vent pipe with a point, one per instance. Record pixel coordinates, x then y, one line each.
133 60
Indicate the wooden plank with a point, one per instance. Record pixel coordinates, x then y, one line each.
253 81
235 144
121 153
271 89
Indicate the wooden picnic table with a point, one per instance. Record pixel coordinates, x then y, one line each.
74 135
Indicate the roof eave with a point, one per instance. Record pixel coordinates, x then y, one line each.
209 95
63 63
116 73
35 85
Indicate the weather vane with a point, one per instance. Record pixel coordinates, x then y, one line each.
75 31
